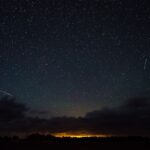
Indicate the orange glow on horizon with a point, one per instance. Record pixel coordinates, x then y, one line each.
78 135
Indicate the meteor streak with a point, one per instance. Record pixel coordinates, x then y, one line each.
145 63
6 93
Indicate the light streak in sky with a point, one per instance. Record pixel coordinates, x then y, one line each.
6 93
145 63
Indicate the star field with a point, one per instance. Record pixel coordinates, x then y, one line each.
71 57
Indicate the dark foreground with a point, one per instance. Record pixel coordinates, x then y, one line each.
76 144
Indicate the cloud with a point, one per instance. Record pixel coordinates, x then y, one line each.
130 118
10 110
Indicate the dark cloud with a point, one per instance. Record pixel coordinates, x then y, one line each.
10 110
131 118
137 103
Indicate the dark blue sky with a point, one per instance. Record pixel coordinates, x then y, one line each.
70 57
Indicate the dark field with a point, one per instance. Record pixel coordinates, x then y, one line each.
75 144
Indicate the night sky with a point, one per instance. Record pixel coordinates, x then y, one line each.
72 57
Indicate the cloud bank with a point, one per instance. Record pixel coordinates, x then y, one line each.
130 118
